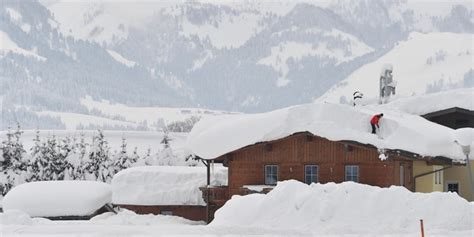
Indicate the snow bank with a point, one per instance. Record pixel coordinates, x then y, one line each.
15 217
58 198
336 122
346 208
126 217
164 185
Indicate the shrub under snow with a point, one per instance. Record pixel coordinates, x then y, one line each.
346 208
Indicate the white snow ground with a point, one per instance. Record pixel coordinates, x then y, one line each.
291 209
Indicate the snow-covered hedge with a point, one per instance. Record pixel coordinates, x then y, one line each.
164 185
346 208
58 198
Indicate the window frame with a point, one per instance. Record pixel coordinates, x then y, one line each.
266 174
315 175
453 182
346 176
439 177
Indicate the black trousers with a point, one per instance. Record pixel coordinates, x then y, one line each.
373 128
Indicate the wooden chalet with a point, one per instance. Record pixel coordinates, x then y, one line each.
312 159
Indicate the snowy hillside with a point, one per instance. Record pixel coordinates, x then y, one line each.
231 56
424 63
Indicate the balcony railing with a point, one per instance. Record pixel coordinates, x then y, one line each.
215 195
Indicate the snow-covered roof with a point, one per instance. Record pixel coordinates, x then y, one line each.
428 103
214 137
58 198
164 185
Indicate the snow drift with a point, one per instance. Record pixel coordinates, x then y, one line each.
213 137
164 185
58 198
346 208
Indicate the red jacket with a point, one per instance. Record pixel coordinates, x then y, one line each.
375 119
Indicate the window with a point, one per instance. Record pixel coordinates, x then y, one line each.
271 174
452 187
310 174
352 173
439 177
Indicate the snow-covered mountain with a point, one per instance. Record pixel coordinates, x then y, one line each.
424 63
235 56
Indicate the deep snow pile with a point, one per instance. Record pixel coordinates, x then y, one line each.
126 217
164 185
58 198
336 122
346 208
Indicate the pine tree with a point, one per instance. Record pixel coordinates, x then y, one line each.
35 165
122 160
99 164
165 156
135 159
50 153
149 159
83 159
13 168
68 158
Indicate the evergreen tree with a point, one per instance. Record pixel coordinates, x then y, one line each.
166 155
36 163
82 163
13 168
135 159
99 164
149 159
50 154
122 160
68 158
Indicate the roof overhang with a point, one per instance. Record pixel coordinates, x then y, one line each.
448 111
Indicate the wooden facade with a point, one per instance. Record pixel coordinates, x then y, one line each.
195 213
293 153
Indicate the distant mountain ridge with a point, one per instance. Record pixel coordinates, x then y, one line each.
248 57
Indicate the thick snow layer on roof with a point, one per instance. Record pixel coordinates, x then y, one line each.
346 208
58 198
427 103
213 137
164 185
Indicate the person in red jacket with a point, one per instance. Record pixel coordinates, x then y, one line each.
374 122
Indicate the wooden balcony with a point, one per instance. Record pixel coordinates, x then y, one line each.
215 195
